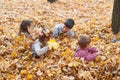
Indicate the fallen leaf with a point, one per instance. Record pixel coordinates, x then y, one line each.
53 44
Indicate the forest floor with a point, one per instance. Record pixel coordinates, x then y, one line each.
92 17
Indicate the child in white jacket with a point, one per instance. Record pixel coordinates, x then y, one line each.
39 47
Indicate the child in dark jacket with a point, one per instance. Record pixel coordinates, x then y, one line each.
84 51
26 27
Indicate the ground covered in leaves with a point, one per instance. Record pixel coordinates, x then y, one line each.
92 17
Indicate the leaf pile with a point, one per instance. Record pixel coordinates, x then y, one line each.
92 17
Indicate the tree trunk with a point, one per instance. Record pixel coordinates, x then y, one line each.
116 17
51 1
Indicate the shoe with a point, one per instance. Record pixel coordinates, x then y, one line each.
114 41
34 55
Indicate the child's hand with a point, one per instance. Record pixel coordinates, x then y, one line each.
40 33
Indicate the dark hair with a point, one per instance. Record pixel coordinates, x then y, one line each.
24 26
84 41
45 35
69 23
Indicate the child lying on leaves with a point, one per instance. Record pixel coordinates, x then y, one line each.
58 29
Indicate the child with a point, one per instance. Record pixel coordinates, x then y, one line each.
39 46
66 28
25 27
85 52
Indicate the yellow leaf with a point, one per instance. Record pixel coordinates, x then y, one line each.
20 38
93 20
98 59
59 71
23 72
53 44
79 0
13 35
101 63
95 39
29 77
119 55
73 64
67 54
4 63
118 61
50 73
17 19
118 36
9 76
13 54
91 64
27 64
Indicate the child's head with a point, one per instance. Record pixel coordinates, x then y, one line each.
45 34
25 26
84 41
69 23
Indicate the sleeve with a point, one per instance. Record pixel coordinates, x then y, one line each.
28 35
71 33
92 50
78 53
55 31
42 51
36 48
90 57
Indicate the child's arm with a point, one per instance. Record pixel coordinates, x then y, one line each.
42 51
37 48
79 53
55 32
92 50
92 54
91 57
71 33
28 35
